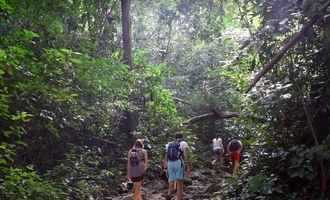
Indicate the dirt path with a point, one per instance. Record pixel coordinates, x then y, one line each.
203 185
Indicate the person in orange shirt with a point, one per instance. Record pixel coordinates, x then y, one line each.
234 148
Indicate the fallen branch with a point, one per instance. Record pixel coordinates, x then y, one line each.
294 40
181 100
212 115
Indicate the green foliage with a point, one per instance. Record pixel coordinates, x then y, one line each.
50 92
161 108
83 174
26 184
64 91
260 184
272 119
162 105
301 163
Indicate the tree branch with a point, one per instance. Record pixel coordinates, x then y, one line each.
181 100
214 115
294 40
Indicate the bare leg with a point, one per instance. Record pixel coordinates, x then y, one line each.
179 190
215 158
221 161
235 167
137 190
175 186
170 188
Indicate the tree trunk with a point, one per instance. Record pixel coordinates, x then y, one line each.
127 44
166 52
130 120
323 175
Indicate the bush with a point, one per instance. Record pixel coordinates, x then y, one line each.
21 184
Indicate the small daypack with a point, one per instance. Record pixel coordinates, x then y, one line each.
136 163
134 158
174 152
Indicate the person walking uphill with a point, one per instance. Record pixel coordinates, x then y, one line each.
218 150
136 167
235 147
177 157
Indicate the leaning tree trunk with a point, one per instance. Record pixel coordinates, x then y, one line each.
127 45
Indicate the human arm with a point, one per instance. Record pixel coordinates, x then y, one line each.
165 157
164 161
146 160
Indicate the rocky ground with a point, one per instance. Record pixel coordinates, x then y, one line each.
204 184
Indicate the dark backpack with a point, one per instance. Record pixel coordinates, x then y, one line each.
174 152
134 158
135 162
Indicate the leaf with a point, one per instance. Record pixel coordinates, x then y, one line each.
4 6
29 35
76 61
56 27
256 183
3 161
3 55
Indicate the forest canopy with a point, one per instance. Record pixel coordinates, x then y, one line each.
80 80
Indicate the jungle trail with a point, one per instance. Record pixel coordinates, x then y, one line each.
153 99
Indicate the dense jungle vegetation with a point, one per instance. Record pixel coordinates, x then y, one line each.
80 80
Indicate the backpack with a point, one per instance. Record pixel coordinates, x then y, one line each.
134 158
174 152
137 167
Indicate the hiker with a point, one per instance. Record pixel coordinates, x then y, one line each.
136 167
218 150
164 171
234 148
177 158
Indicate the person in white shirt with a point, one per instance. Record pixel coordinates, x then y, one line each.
218 150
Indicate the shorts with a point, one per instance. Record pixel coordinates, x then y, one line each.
235 156
175 170
218 152
137 179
